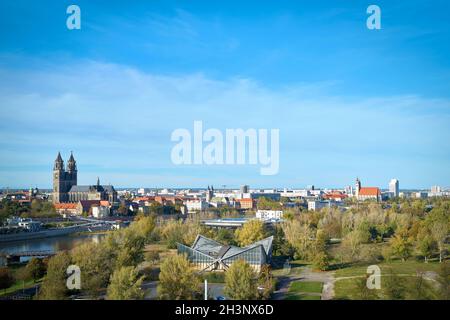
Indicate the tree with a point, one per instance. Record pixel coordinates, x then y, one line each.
425 245
299 235
125 247
250 232
144 226
352 244
172 232
266 282
178 280
321 259
125 285
400 246
438 222
35 269
240 281
265 203
96 267
123 209
54 284
6 278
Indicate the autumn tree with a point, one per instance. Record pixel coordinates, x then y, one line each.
266 282
299 235
125 285
240 281
425 244
250 232
438 223
35 269
400 246
96 266
54 284
178 280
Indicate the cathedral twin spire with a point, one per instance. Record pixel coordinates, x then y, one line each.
71 164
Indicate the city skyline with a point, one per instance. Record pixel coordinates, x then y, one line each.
349 102
60 165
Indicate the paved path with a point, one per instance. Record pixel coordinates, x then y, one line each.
306 274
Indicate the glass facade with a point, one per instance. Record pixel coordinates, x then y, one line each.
208 255
200 260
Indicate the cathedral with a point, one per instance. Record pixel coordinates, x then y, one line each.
65 188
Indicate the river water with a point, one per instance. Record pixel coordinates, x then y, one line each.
53 244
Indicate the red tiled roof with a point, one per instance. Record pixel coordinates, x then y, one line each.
61 206
369 191
335 195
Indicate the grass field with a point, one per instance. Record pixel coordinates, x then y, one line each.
347 289
399 267
302 297
305 290
304 286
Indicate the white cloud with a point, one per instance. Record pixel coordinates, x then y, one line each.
117 117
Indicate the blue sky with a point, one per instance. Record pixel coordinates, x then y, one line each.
348 101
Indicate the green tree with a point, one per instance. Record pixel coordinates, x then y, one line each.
250 232
172 233
35 269
125 285
299 235
95 265
425 245
54 284
241 281
401 247
321 259
266 282
265 203
178 280
438 222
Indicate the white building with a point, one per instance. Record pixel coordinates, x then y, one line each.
196 205
269 214
316 205
394 188
100 212
420 195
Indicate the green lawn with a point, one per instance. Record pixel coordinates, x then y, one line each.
347 289
399 267
294 296
306 286
19 285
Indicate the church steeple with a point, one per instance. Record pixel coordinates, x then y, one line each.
59 163
71 164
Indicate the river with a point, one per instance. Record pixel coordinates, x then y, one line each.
53 244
